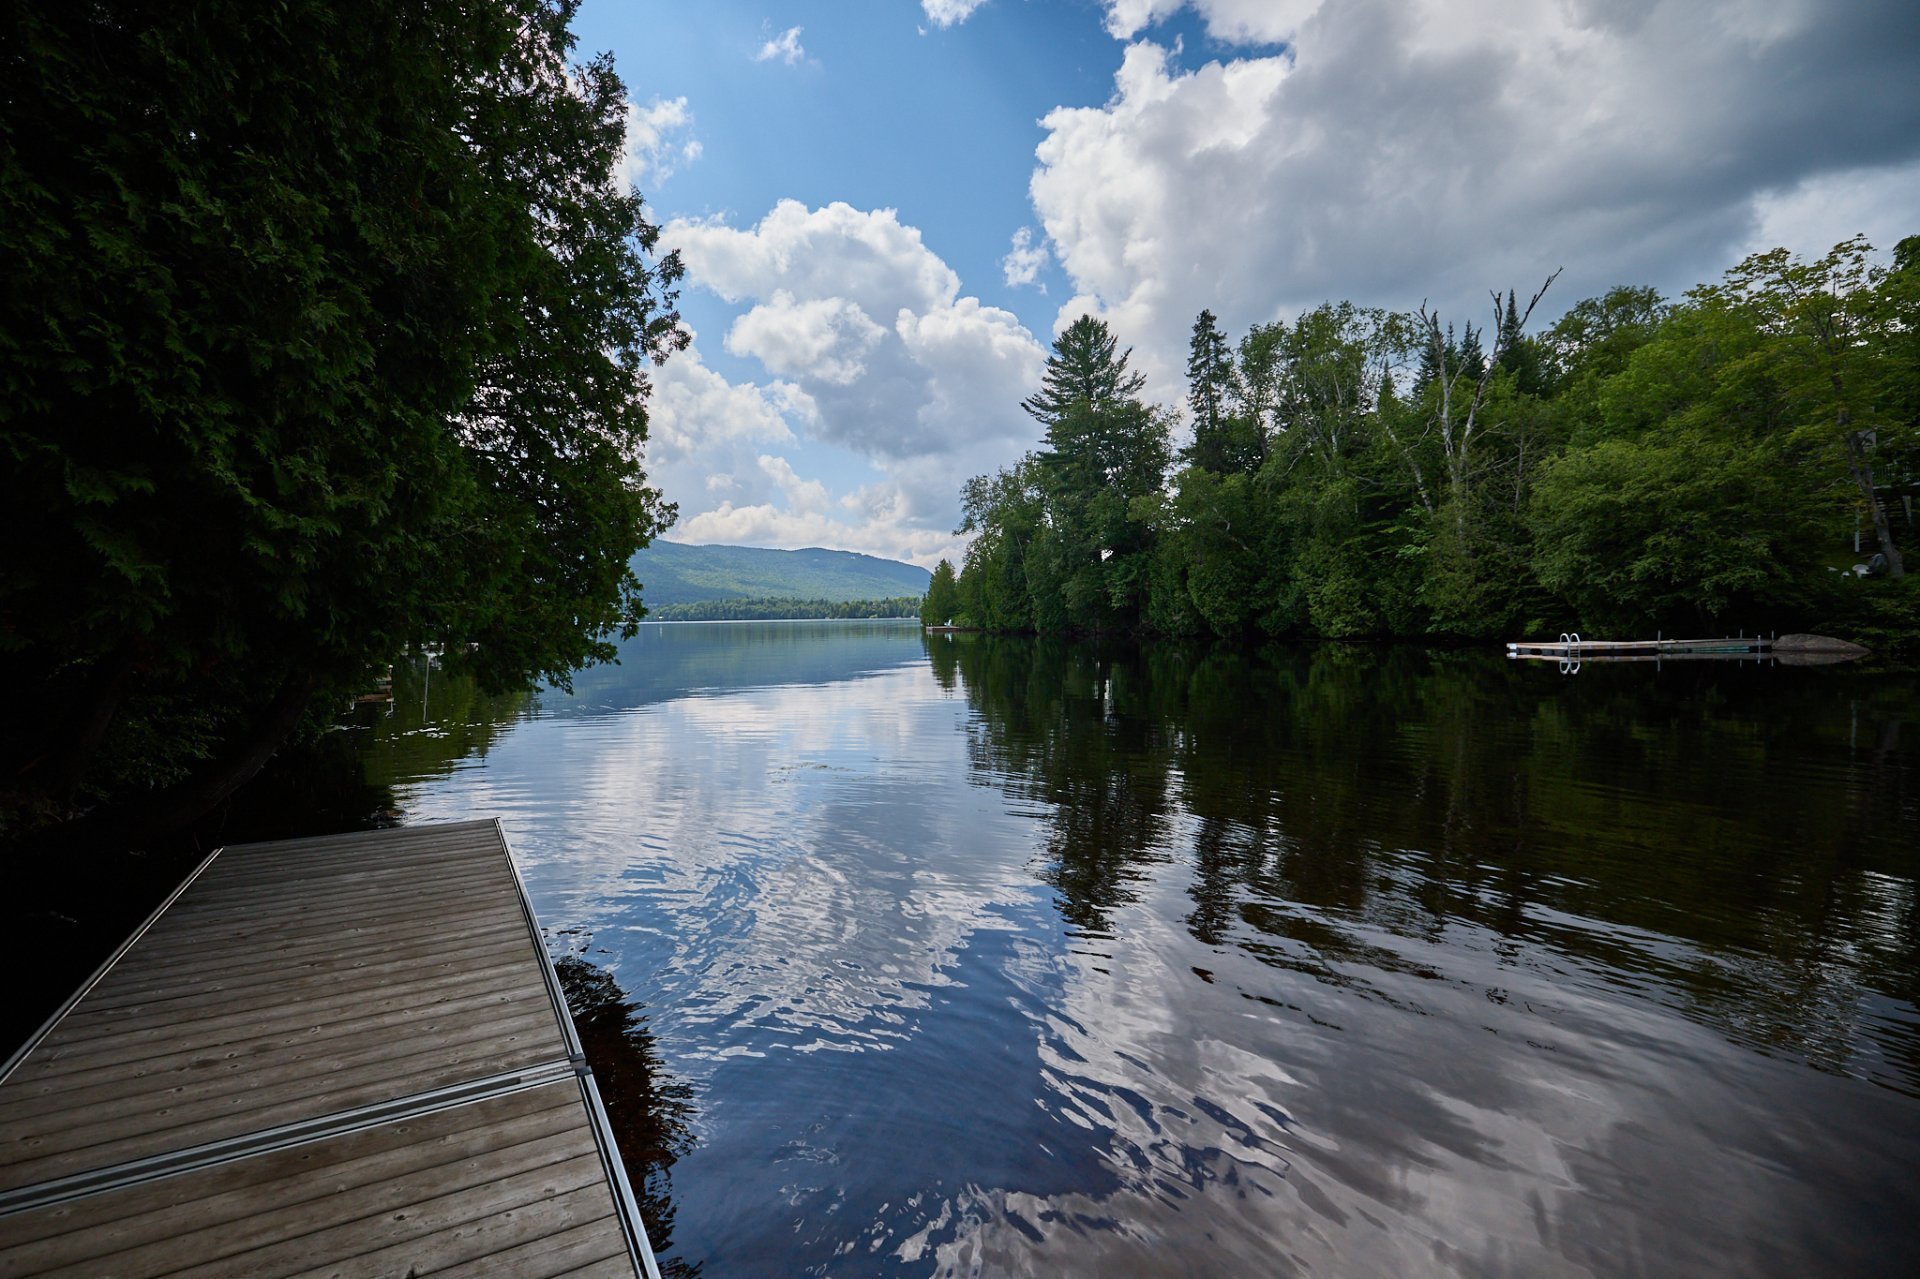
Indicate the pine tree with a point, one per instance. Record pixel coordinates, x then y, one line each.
942 601
1509 329
1084 366
1471 358
1209 375
1221 435
1520 356
1435 362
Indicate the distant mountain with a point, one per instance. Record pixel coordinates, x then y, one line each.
676 573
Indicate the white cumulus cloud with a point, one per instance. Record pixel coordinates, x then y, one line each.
1024 260
870 257
803 496
1395 151
879 524
705 433
656 144
948 13
693 405
827 339
856 311
1231 21
870 347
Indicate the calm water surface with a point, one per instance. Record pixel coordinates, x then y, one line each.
927 956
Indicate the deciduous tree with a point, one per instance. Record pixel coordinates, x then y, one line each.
325 331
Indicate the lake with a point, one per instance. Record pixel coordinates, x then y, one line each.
910 955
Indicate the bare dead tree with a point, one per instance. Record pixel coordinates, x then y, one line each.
1456 437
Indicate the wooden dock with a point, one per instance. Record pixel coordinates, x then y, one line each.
342 1056
1573 648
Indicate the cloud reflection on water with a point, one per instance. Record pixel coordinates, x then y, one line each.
1110 964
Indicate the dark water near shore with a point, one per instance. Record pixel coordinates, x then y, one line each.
955 956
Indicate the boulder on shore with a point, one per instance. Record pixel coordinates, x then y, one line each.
1816 644
1815 650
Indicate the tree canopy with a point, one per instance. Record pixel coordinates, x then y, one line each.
1086 366
942 600
325 333
1641 464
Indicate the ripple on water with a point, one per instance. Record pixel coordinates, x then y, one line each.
1361 963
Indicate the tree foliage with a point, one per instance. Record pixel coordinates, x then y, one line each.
942 601
1359 472
325 333
1063 540
1086 366
1226 433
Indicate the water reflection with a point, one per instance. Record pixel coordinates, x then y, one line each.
971 956
669 660
1426 846
647 1108
1736 845
432 725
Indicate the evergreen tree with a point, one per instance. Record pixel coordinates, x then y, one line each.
1468 356
1210 392
1104 448
1084 366
1226 435
942 602
1436 362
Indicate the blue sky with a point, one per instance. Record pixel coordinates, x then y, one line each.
888 207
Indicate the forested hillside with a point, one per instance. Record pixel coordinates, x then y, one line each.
677 573
787 610
1641 463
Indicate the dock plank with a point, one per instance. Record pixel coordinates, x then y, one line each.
525 1226
115 1093
343 1012
377 965
407 1218
341 1055
391 1224
123 1016
224 1198
566 1253
268 1096
84 1070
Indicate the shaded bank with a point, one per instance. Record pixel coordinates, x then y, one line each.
61 916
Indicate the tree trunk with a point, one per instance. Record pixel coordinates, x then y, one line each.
1861 468
1459 487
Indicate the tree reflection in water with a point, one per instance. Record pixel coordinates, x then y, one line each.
649 1110
1717 834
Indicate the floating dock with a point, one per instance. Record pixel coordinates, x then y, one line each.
346 1055
1575 649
